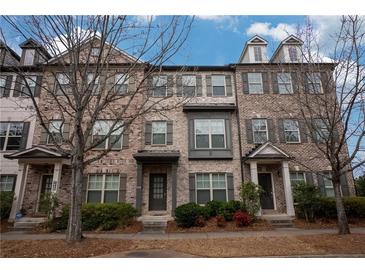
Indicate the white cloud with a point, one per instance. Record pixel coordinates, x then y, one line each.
223 22
278 32
144 19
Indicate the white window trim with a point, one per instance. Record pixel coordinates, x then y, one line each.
7 135
210 135
107 139
103 186
210 185
310 83
261 82
291 91
49 142
182 80
298 130
159 133
123 83
296 172
155 86
225 86
253 131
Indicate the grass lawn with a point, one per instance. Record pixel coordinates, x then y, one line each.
230 247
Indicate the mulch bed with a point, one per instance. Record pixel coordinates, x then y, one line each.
326 223
4 226
222 247
211 226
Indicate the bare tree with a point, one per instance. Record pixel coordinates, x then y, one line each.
329 96
93 82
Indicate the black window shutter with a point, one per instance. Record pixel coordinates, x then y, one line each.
199 85
305 82
230 186
179 87
321 184
23 142
265 82
303 131
126 137
122 188
148 132
84 188
169 137
271 128
149 86
131 84
325 82
208 80
245 82
17 87
275 85
249 131
228 85
294 81
309 178
281 130
170 85
44 135
38 86
344 185
192 188
66 131
9 79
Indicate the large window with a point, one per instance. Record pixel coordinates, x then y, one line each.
55 128
209 133
259 130
293 54
321 132
7 182
314 82
291 131
255 83
285 83
121 84
328 185
218 85
103 188
159 131
63 84
297 177
2 85
189 85
102 128
29 57
93 82
10 135
211 186
28 86
159 86
258 54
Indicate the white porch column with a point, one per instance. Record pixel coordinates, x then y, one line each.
288 191
18 192
255 178
56 176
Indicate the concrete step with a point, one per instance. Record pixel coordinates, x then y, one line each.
279 220
27 223
154 224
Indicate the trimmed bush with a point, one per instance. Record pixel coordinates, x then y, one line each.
306 196
6 201
60 223
214 207
100 216
360 186
242 218
250 197
229 209
354 207
187 214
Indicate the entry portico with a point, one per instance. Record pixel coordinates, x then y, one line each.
269 168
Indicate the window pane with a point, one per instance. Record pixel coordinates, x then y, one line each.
160 81
218 181
95 51
202 181
290 125
159 91
29 57
259 124
202 141
217 126
16 129
218 141
96 182
110 196
189 91
260 137
158 127
159 139
218 80
219 195
2 81
291 136
254 78
55 126
7 182
189 80
13 143
112 182
3 129
203 196
62 79
90 78
219 91
101 128
257 53
94 196
115 141
202 126
293 54
97 138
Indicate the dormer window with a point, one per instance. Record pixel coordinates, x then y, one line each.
95 51
29 57
293 54
258 54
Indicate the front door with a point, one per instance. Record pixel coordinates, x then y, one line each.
157 191
46 187
266 197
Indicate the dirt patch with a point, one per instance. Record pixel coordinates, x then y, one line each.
4 226
326 223
211 226
134 227
222 247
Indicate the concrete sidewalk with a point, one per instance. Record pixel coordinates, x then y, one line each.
20 235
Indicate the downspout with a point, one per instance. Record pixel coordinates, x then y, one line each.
238 123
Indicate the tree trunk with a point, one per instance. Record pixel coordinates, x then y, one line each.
343 226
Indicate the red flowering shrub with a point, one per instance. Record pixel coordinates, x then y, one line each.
221 221
242 218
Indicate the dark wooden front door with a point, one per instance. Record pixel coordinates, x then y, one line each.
46 187
157 191
266 197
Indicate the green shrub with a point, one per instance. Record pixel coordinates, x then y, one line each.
214 207
100 216
360 186
187 214
6 201
354 207
306 197
250 197
229 208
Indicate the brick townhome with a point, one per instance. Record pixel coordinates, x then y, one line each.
233 128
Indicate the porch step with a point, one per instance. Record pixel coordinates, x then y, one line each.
154 224
27 223
279 220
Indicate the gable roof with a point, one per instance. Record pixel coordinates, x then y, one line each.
290 40
12 52
266 151
255 40
31 43
91 39
37 152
